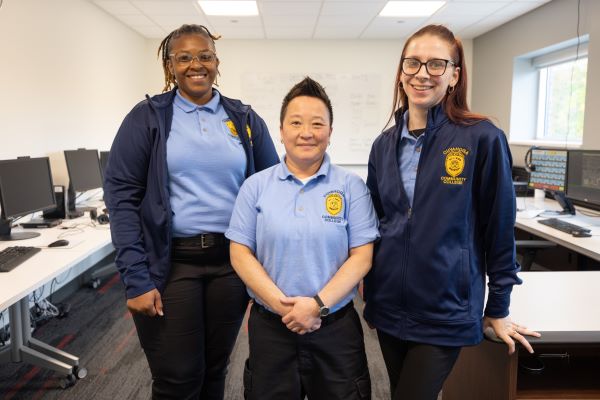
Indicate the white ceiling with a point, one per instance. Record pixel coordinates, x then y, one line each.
315 19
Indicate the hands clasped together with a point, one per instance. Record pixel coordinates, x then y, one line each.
300 314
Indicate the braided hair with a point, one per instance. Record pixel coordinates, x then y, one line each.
165 48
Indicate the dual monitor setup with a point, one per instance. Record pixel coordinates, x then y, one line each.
26 187
571 176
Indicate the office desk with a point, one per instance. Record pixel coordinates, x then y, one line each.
589 247
88 248
565 308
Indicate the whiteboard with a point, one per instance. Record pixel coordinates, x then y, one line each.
355 98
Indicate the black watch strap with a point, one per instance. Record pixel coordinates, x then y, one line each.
323 309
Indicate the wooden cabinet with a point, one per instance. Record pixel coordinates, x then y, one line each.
487 372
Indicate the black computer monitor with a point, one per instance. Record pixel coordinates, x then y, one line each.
103 161
25 187
84 169
583 178
549 172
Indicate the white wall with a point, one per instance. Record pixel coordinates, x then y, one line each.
549 24
70 72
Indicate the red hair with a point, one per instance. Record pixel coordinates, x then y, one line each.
455 103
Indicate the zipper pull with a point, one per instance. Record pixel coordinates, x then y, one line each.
409 212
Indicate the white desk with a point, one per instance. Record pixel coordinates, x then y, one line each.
87 248
589 246
565 308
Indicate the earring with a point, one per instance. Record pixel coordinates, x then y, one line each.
450 89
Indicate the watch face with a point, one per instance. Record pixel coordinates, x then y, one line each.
324 311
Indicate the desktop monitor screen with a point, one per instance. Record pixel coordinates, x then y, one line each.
584 177
84 169
549 169
25 186
103 160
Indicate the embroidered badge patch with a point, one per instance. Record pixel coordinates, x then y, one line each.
234 132
454 165
334 205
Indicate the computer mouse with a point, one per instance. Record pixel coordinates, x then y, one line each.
581 234
59 243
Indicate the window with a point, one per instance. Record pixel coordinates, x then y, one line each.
561 101
548 95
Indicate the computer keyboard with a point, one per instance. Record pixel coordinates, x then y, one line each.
12 257
562 225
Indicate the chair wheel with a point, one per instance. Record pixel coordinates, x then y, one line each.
80 372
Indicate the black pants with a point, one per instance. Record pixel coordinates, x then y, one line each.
188 349
327 364
417 371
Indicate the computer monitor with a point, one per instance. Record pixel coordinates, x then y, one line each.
549 172
25 187
103 161
583 178
83 167
548 169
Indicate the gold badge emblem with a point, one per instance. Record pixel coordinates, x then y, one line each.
334 203
455 163
231 127
234 133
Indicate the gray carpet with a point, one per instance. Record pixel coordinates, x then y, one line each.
100 330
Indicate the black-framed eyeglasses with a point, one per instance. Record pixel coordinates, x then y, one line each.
434 67
184 58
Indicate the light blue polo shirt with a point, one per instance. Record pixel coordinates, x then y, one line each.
302 233
207 167
409 153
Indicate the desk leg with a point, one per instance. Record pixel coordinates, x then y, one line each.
25 348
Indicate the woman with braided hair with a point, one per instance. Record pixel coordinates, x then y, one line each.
174 171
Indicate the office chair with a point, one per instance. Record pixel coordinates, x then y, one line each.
104 268
531 248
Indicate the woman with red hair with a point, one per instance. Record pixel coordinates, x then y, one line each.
441 185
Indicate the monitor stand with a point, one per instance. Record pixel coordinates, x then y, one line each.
72 211
7 235
567 206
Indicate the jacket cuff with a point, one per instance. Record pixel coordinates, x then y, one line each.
137 282
498 305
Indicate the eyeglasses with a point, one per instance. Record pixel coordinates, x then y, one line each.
434 67
185 58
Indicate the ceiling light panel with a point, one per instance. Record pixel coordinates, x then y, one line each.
464 9
410 8
229 8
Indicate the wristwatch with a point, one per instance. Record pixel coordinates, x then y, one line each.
323 309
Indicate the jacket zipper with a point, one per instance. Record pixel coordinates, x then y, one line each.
408 226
